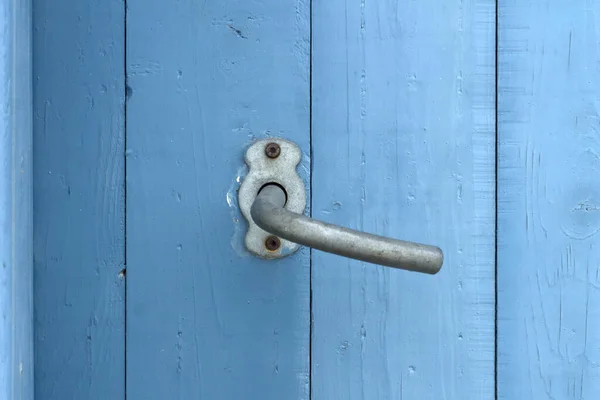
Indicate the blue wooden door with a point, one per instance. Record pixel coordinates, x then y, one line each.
204 80
403 145
467 124
548 200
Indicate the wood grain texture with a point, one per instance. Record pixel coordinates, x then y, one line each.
16 272
404 146
205 320
79 98
549 200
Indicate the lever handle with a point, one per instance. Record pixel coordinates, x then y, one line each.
268 213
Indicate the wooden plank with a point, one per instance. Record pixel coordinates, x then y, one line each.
548 200
79 199
204 318
16 265
404 146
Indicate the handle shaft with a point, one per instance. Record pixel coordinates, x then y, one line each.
268 212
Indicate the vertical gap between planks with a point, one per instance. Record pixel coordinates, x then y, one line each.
496 205
125 100
310 256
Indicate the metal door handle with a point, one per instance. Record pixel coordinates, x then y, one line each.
268 213
272 199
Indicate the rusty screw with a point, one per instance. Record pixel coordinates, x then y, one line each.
272 150
272 243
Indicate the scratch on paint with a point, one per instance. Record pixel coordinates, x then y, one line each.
569 57
237 31
144 68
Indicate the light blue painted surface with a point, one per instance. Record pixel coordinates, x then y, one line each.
549 200
403 145
16 278
206 320
403 139
79 207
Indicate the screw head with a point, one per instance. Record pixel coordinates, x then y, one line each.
272 243
272 150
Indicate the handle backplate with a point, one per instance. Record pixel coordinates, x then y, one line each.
272 160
